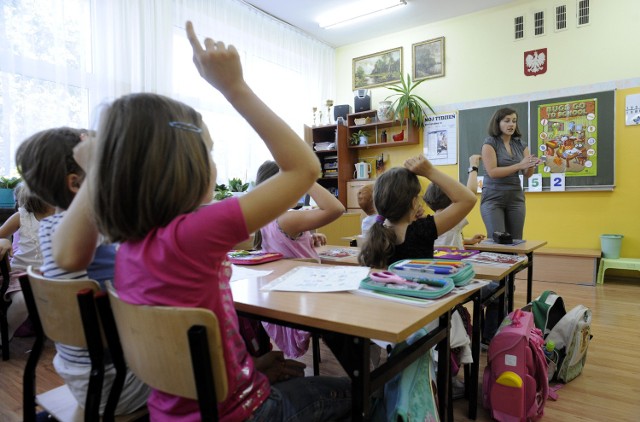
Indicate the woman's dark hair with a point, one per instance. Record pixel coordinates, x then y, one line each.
436 198
266 170
393 196
494 123
45 159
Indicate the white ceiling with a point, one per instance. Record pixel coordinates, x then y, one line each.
302 14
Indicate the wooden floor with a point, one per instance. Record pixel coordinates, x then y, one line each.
607 390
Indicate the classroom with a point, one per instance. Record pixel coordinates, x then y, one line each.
140 46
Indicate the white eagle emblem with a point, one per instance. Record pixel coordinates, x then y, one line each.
535 62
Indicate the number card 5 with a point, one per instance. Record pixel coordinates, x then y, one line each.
535 183
556 182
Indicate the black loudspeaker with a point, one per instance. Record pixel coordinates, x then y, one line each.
361 100
341 110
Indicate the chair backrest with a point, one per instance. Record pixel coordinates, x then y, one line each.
156 345
57 304
5 268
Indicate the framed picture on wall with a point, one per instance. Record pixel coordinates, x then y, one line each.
377 69
428 59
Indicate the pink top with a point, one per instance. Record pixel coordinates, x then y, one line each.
184 264
275 240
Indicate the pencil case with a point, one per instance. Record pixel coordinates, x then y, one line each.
240 257
426 292
460 272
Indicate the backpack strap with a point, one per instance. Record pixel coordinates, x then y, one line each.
540 374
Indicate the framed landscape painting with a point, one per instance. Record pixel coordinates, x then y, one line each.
377 69
428 59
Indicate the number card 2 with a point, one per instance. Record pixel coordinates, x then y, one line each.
535 183
556 182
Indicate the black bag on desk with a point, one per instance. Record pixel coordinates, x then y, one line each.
502 238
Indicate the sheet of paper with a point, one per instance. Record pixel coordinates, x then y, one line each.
495 259
240 272
319 279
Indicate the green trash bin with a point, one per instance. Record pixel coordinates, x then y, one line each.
611 244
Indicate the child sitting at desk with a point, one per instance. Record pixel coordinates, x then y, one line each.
290 235
50 169
437 200
365 202
173 250
398 232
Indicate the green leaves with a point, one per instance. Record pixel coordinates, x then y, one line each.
9 182
406 103
236 185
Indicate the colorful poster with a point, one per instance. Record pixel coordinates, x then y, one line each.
441 138
567 136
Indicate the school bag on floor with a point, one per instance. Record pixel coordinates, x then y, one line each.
515 384
547 310
571 336
571 333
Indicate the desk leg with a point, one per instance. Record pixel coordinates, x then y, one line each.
475 355
530 277
353 355
510 292
444 372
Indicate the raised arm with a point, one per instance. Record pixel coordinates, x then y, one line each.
490 161
329 209
299 167
472 180
74 242
462 200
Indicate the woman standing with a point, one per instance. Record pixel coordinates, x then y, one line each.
504 156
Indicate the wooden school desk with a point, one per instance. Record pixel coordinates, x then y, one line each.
525 248
348 322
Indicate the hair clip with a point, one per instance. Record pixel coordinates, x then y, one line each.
186 126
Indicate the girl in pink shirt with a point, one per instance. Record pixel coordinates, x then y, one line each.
152 169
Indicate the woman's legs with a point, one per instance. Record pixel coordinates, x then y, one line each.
492 211
515 213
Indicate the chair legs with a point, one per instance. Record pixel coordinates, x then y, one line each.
203 372
29 377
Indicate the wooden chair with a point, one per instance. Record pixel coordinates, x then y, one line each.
5 268
63 310
157 342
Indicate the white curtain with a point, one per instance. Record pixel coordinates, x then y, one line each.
61 59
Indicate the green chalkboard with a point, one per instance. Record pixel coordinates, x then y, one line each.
574 134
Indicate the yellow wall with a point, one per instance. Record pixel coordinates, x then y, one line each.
484 67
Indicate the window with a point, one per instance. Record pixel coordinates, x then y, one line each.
45 67
583 12
518 23
538 23
561 18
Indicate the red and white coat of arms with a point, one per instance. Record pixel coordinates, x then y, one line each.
535 62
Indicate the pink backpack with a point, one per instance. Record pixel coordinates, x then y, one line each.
515 384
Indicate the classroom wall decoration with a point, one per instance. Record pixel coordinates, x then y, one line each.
632 110
574 135
441 138
535 62
377 69
567 137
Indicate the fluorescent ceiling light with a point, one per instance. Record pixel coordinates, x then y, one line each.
358 11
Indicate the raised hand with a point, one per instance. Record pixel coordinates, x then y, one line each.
474 160
217 64
418 165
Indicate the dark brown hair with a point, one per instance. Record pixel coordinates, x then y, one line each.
494 123
436 198
147 171
266 170
393 196
30 202
45 159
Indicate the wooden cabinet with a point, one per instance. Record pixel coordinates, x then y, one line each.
337 162
376 128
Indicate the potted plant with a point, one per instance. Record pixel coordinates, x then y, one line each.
236 187
7 185
408 104
221 192
359 138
